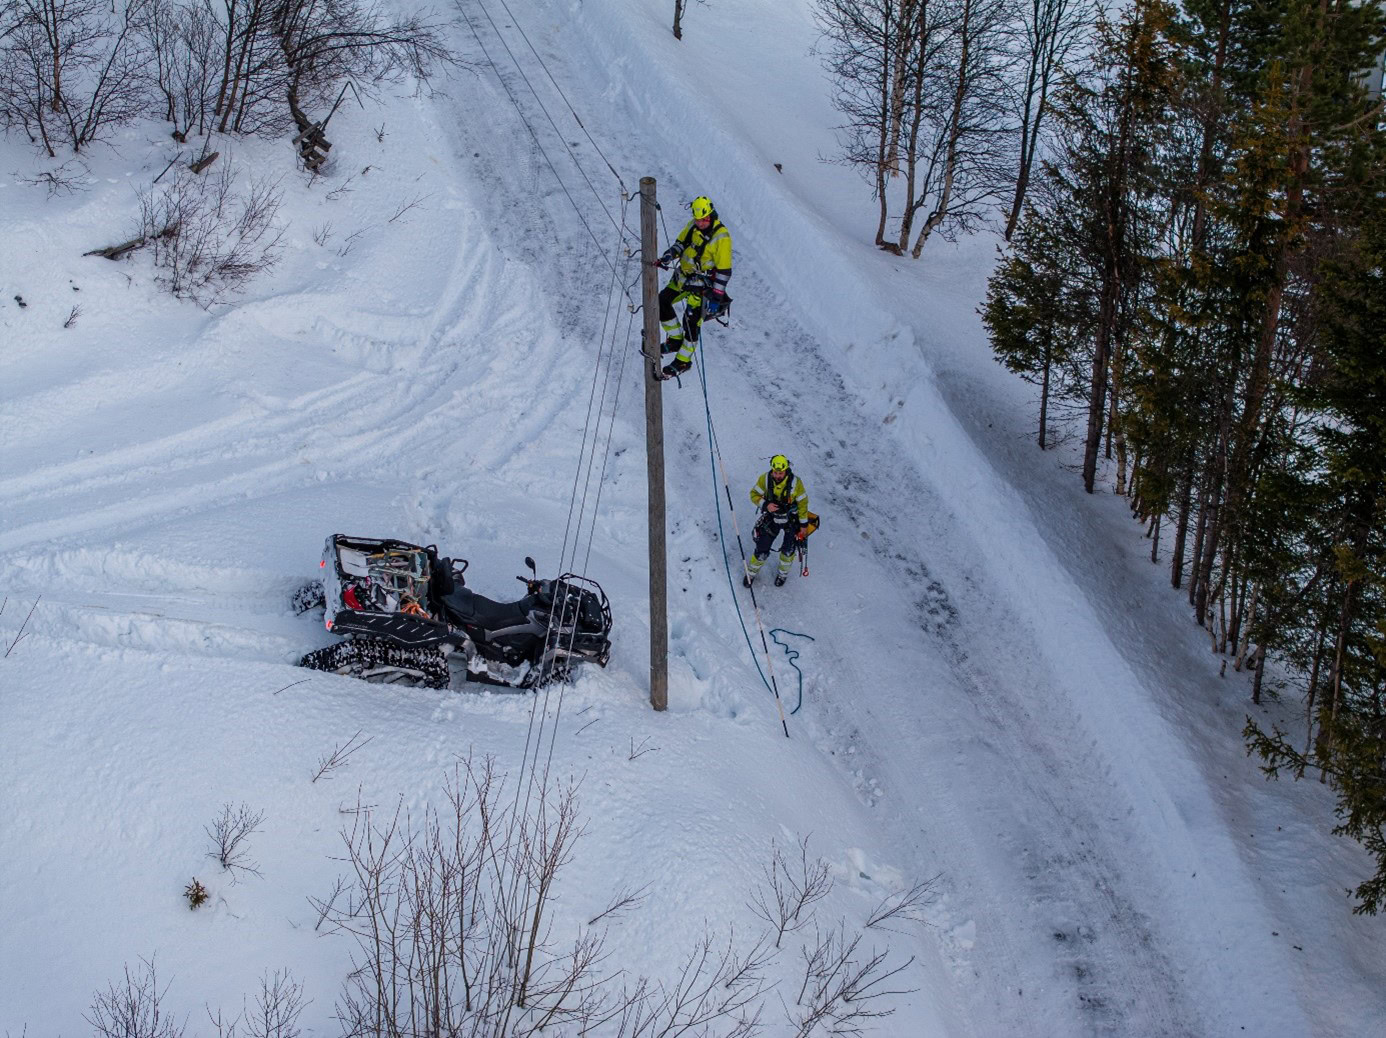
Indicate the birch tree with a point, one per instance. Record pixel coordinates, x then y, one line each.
1049 32
71 70
921 85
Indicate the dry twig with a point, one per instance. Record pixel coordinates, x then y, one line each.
20 634
907 905
338 757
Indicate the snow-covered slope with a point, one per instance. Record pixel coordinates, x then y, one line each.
997 692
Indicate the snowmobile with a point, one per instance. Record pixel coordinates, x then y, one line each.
408 617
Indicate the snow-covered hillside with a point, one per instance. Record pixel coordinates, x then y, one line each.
998 697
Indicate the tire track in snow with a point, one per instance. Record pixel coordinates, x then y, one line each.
161 633
138 600
349 426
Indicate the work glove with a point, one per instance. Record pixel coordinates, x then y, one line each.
801 535
664 262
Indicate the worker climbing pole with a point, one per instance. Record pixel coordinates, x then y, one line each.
701 257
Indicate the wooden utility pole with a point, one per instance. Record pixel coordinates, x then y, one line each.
654 448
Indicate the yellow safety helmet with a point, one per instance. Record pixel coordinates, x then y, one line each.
702 207
779 463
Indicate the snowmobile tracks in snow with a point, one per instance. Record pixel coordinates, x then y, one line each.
142 602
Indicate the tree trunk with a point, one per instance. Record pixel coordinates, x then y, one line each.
1200 532
1043 57
1117 433
1258 381
1027 149
1213 509
223 103
1210 551
1097 393
1313 689
1339 655
898 49
55 44
954 134
1181 525
1241 630
881 198
911 169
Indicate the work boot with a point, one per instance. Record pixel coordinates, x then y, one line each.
676 367
671 346
745 580
780 578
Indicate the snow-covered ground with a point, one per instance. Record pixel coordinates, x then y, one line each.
1001 695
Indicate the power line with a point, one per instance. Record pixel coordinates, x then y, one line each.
528 126
576 118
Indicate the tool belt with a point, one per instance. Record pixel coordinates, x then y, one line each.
777 521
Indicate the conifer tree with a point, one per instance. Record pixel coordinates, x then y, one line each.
1348 394
1217 218
1106 169
1292 171
1038 312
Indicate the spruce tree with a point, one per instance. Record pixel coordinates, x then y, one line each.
1038 313
1348 396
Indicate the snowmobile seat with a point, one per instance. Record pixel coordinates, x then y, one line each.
440 582
465 606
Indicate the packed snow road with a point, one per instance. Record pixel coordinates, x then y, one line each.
947 673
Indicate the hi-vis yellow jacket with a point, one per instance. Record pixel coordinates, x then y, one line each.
789 494
706 253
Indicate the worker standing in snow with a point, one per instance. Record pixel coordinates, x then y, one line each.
703 252
783 504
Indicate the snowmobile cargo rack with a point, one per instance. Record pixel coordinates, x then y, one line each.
381 588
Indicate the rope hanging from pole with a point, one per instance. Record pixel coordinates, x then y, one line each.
718 466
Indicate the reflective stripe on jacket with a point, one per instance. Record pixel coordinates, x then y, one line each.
789 494
707 253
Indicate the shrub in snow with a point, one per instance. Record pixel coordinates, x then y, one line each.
229 833
196 894
134 1009
450 915
71 72
277 1007
209 239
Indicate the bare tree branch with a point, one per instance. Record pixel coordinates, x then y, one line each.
20 633
229 833
786 896
904 905
338 757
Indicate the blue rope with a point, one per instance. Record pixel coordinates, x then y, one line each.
792 654
700 362
721 534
